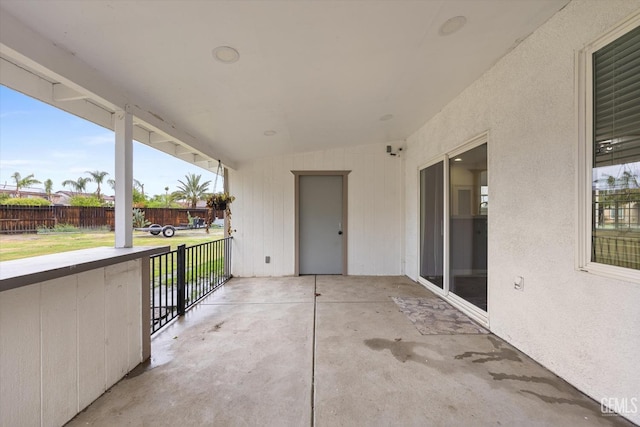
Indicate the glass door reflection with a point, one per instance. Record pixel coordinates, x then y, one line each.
469 209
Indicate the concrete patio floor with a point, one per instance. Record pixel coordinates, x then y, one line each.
332 351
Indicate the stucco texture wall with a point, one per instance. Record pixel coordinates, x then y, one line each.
263 214
583 327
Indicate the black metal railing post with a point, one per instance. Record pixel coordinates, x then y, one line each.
181 272
183 277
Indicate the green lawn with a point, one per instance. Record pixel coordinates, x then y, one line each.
16 246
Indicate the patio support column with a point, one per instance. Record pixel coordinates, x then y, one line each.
124 178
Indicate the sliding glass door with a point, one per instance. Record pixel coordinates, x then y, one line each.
469 204
454 207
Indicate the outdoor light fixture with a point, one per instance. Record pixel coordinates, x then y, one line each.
226 54
457 159
390 151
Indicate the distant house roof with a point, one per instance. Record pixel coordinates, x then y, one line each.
24 192
63 197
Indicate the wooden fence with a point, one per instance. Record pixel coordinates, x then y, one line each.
27 219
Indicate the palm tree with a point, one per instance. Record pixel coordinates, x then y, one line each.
48 188
23 182
192 190
79 186
98 178
139 186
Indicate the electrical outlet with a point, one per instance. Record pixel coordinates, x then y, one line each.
267 259
518 283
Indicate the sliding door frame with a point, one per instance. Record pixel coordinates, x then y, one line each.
445 215
471 310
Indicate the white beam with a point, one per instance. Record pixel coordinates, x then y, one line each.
200 160
167 147
181 149
156 138
63 93
124 178
187 157
33 51
35 86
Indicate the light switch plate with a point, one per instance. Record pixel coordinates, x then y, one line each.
518 283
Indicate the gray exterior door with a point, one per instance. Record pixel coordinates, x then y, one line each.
320 220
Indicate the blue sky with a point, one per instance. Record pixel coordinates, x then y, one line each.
36 138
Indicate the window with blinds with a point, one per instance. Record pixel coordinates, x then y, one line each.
615 236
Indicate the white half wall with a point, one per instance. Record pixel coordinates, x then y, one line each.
583 327
64 342
263 214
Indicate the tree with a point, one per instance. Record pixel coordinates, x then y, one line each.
137 185
79 186
166 200
139 199
23 182
98 178
48 188
191 189
621 195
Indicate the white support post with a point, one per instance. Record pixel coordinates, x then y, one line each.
124 178
225 187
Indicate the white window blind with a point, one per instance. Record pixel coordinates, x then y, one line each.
616 90
615 238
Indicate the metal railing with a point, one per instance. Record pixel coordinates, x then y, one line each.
616 248
181 278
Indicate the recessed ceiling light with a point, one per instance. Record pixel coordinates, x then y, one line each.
452 25
386 117
269 132
226 54
457 159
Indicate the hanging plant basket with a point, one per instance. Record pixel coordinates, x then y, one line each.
219 201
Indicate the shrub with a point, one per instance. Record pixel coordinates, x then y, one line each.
154 203
86 201
139 221
36 201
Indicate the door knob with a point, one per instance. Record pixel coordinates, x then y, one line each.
340 232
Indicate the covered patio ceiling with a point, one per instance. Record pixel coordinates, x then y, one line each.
310 74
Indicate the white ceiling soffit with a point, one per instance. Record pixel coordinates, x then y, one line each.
311 74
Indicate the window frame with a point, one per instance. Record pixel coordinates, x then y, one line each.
584 121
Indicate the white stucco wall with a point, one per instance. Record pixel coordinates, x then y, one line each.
264 211
583 327
64 342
